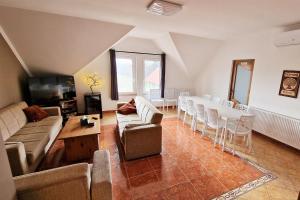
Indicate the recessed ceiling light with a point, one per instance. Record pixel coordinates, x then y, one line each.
161 7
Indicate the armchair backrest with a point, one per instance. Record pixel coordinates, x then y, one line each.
69 182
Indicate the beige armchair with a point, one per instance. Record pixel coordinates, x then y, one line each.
74 182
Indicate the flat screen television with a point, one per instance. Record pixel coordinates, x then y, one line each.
48 91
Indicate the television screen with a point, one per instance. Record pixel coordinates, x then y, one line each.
50 90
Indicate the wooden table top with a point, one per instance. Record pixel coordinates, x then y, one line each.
73 128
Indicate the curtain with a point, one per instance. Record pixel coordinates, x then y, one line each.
113 75
163 74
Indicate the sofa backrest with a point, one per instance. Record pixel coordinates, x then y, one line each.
12 119
147 112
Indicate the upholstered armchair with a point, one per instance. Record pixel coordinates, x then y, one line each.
74 182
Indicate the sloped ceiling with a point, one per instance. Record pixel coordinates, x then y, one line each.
166 44
50 43
194 51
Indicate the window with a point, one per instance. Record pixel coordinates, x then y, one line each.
137 73
152 74
126 74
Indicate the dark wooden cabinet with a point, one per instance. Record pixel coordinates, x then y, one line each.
93 104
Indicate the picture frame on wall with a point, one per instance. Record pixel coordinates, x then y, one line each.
290 81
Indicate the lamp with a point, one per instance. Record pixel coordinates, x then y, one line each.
92 80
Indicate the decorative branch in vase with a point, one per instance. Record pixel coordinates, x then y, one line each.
92 80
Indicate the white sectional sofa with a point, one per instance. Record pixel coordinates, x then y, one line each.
27 142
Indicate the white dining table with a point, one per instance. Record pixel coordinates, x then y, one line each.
225 113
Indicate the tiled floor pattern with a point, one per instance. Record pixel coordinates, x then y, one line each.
188 168
173 176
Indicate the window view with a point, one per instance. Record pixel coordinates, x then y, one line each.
125 73
151 75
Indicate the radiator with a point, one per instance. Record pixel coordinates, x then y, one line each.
279 127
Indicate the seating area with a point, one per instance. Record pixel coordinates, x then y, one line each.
141 132
149 100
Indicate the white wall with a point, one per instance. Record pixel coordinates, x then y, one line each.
270 61
175 76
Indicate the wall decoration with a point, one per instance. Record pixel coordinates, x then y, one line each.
290 83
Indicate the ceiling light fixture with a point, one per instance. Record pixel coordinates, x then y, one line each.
161 7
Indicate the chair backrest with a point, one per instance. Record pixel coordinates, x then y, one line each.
228 104
200 113
182 102
184 93
190 107
207 96
155 94
242 107
216 100
170 93
245 123
212 117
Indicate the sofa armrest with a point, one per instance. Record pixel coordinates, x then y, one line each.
101 187
69 182
17 158
119 104
53 111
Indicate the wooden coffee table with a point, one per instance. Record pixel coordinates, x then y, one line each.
80 142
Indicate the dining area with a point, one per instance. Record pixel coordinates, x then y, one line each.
227 119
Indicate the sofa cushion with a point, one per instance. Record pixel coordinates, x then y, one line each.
18 113
10 121
3 130
131 117
35 113
147 112
49 121
52 129
34 144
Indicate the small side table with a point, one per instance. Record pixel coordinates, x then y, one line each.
93 104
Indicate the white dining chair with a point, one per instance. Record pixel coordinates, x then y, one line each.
184 93
170 98
214 121
242 127
182 105
216 100
190 111
242 107
155 97
199 117
228 103
207 97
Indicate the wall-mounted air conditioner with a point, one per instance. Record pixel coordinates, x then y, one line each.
287 38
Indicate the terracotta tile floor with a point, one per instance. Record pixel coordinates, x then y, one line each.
188 168
191 168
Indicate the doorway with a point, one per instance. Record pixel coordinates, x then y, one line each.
241 77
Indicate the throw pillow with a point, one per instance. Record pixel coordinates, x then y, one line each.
35 113
132 102
127 109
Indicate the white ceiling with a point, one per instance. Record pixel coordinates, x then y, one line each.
213 19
